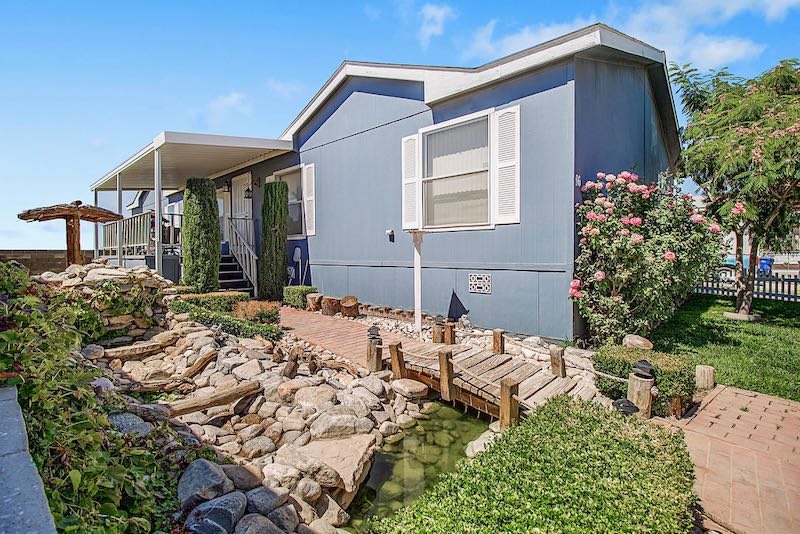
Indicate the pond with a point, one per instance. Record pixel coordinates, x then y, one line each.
401 471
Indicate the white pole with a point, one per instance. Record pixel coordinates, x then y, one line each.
96 232
157 209
120 259
417 236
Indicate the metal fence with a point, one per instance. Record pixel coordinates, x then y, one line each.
774 287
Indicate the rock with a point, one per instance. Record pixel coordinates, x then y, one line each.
388 428
201 341
318 526
480 443
129 424
132 352
354 403
637 342
166 338
310 465
223 512
285 518
244 477
264 500
373 384
348 457
258 447
405 421
256 524
331 424
285 475
289 437
320 397
379 417
305 511
102 383
93 352
293 423
370 399
309 490
230 447
248 370
274 431
410 389
329 511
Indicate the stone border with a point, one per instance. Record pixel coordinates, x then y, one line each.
24 505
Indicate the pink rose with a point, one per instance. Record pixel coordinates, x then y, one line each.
583 241
601 217
574 293
610 178
636 221
620 181
625 220
636 238
594 231
591 216
633 188
609 210
669 256
599 276
715 228
624 231
634 177
601 175
697 218
625 175
575 284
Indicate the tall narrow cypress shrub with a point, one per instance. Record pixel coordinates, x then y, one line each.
201 238
272 275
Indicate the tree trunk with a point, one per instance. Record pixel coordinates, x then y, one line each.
746 304
314 301
330 306
741 283
349 306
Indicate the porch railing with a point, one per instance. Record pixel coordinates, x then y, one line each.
138 235
243 252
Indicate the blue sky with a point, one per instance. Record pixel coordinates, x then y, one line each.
86 84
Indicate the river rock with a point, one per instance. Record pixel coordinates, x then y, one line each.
348 457
410 389
333 424
318 526
285 475
329 511
480 443
405 421
264 500
258 447
373 384
637 342
256 524
354 403
129 424
248 370
220 513
285 518
320 397
287 389
244 477
93 352
370 399
309 490
310 465
388 428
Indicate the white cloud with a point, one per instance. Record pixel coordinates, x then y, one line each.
284 88
372 12
485 46
222 107
710 52
432 20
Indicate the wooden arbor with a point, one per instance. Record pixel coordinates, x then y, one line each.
73 213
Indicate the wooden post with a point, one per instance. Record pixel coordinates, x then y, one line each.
704 377
498 341
446 386
639 394
509 406
438 333
314 301
330 306
557 364
374 350
74 254
449 333
398 362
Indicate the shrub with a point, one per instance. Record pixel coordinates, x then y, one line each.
572 466
272 263
218 301
260 311
228 323
674 375
295 296
643 248
201 235
95 479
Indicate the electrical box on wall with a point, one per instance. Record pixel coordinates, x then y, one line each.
480 283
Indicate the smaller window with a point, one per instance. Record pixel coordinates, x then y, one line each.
294 221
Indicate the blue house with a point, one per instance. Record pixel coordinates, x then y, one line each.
472 174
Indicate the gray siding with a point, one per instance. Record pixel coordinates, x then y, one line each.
356 150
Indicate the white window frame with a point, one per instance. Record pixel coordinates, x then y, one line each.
276 176
458 121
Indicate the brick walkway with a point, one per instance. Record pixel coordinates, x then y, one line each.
347 339
746 451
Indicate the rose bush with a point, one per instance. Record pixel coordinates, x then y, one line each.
643 247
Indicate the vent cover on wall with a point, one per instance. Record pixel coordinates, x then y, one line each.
480 283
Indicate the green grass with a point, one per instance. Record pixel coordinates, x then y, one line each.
763 356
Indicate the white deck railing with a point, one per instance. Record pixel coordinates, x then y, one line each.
138 235
243 251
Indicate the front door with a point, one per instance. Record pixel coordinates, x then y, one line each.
242 207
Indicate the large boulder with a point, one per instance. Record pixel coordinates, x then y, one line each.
354 403
320 397
217 515
370 399
202 481
244 477
285 517
349 458
256 524
335 424
264 500
637 342
313 466
410 389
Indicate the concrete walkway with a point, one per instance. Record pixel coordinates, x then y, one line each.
746 451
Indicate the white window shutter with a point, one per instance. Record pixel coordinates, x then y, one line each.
505 166
411 182
309 199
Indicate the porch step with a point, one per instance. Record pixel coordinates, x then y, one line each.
235 283
232 274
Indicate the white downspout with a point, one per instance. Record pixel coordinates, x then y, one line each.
157 209
120 258
417 236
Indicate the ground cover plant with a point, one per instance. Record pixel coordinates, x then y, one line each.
201 235
95 479
218 301
572 466
762 356
227 322
295 296
643 248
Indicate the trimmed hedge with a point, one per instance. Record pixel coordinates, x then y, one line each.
572 466
201 235
259 311
295 296
272 274
674 375
218 301
228 323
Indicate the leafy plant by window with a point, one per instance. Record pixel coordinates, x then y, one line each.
201 235
295 296
273 259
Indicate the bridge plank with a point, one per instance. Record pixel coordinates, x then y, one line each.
556 387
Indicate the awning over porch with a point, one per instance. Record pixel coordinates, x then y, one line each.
184 155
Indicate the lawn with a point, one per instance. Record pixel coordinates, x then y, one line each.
762 356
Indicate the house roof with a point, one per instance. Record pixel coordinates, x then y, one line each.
441 83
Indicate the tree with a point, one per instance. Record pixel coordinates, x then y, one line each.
201 235
742 147
275 210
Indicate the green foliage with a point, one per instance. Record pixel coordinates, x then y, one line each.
95 480
762 356
218 301
273 260
201 235
228 323
295 296
572 466
674 374
643 248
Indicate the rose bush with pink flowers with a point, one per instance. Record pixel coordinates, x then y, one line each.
643 247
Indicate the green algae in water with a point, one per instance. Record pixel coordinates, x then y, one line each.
402 471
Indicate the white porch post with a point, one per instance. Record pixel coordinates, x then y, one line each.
417 236
120 259
96 231
157 208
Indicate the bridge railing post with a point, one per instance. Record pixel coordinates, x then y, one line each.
374 350
498 341
446 386
398 361
449 333
557 364
437 331
509 405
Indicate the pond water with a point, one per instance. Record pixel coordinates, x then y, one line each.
403 470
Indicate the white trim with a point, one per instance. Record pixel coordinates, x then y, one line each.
505 213
458 121
308 176
287 170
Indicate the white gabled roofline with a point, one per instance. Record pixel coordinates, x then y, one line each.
441 83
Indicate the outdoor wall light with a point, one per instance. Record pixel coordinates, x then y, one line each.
226 187
248 193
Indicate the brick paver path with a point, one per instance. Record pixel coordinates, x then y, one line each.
347 339
746 451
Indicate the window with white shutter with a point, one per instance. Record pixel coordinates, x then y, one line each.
309 199
505 166
410 181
